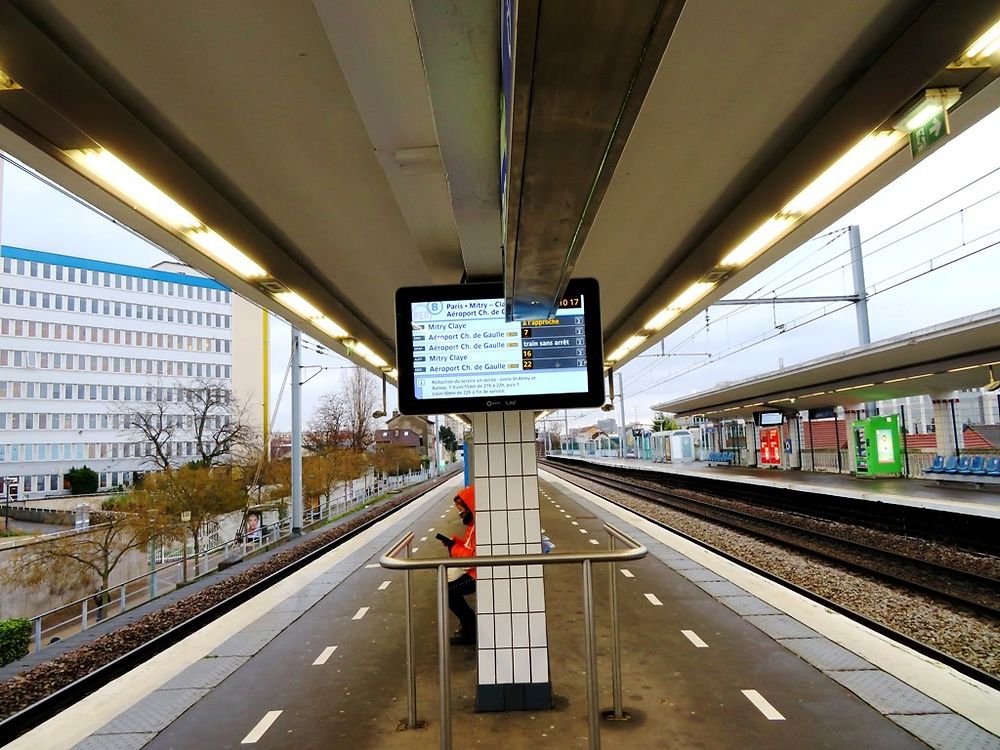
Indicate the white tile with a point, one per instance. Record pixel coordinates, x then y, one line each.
529 459
483 525
497 463
515 527
528 426
483 495
484 595
530 485
518 594
519 630
487 666
522 665
498 528
484 549
536 629
505 666
481 461
484 628
536 595
498 493
479 425
533 548
512 451
501 595
515 493
501 631
494 427
539 665
517 549
532 526
535 571
484 572
511 426
518 571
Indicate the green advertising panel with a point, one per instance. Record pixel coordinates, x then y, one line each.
877 446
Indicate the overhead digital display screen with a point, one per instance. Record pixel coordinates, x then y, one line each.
768 418
458 353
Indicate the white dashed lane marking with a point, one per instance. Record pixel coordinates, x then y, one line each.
693 637
324 656
627 573
361 612
262 726
384 585
653 600
769 711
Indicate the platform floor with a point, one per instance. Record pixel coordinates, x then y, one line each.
713 657
922 493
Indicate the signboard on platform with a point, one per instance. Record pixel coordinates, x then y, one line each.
456 351
770 446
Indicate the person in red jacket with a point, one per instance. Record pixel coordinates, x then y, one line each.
464 583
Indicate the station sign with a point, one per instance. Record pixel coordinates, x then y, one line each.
929 133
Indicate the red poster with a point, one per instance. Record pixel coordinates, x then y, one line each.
770 445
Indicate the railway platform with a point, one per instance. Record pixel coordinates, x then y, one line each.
912 492
712 656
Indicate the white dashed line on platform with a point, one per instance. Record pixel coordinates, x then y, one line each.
769 711
423 539
324 656
583 531
262 726
414 549
594 541
384 585
373 565
361 612
574 523
627 573
653 600
693 637
431 528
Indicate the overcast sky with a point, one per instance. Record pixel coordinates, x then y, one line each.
944 214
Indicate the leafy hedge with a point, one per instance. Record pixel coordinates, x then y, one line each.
14 638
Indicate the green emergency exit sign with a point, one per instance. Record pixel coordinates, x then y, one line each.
929 133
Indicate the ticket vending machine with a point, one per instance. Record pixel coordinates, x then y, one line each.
877 446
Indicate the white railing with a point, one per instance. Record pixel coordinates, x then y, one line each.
81 614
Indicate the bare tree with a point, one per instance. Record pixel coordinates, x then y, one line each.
360 395
205 414
328 425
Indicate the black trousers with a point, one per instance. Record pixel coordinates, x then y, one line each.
458 589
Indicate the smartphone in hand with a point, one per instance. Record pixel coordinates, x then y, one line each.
444 539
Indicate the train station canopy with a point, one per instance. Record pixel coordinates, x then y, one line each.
939 360
317 155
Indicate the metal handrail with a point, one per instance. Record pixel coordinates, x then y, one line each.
634 551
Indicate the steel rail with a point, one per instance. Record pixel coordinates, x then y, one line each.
963 667
633 551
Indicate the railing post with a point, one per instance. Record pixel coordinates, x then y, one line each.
121 598
38 634
591 639
616 656
444 679
411 669
83 616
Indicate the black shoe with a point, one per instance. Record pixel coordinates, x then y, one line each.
463 639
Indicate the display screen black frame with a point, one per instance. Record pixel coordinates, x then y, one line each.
409 404
767 418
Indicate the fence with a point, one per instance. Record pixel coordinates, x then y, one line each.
81 614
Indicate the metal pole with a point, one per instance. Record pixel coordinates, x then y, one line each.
906 455
591 638
444 679
621 416
296 431
616 656
753 432
954 427
38 634
857 266
411 672
152 567
836 436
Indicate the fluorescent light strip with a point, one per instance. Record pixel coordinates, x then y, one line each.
853 387
758 241
216 247
625 348
923 114
298 304
369 356
325 324
125 180
844 171
683 301
987 44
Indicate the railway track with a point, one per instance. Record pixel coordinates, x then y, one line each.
965 590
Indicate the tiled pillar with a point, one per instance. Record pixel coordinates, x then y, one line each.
513 645
947 424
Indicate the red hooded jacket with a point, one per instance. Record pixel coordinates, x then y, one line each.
466 547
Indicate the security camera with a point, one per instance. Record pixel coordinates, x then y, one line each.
607 407
378 414
994 384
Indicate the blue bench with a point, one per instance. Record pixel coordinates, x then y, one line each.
961 467
722 457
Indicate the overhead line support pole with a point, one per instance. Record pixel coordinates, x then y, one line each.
296 431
